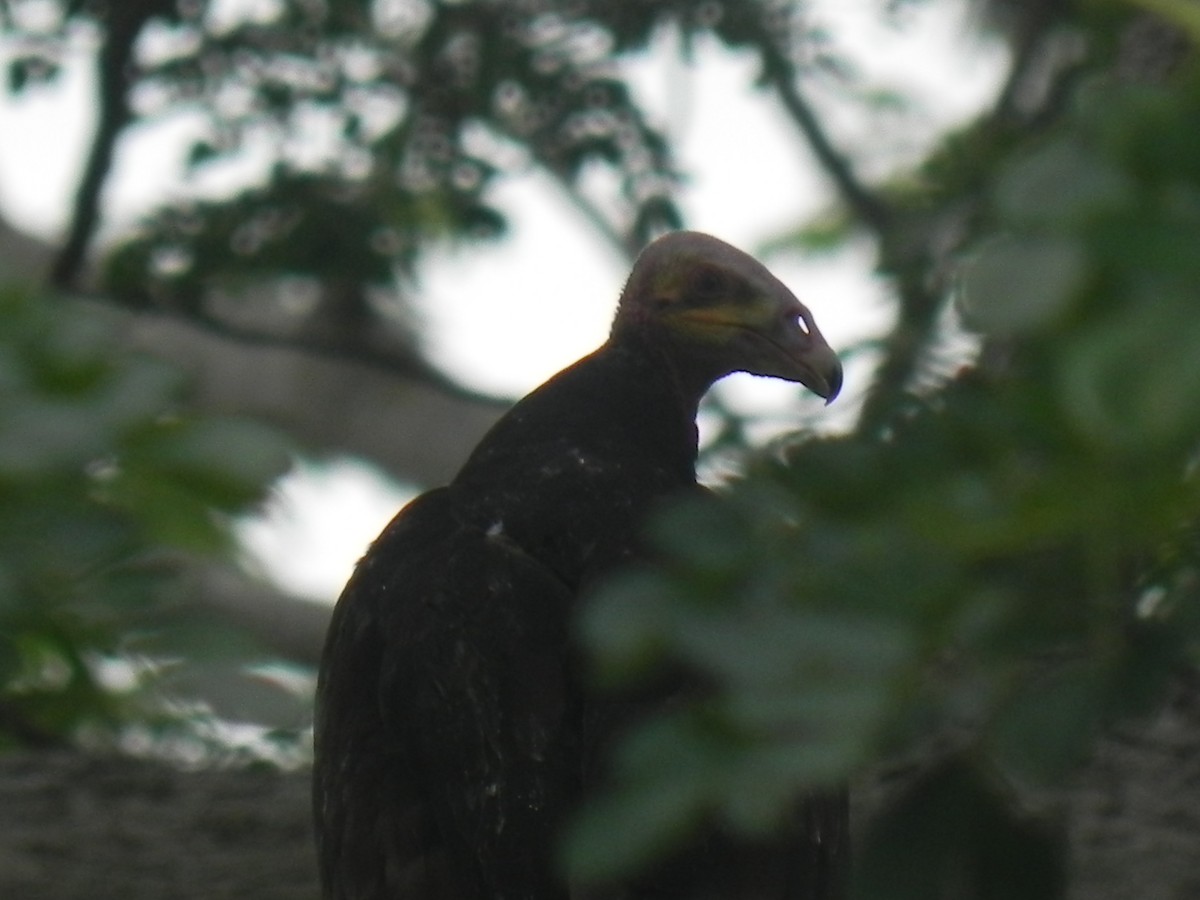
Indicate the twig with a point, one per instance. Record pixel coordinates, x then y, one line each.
870 209
125 23
590 212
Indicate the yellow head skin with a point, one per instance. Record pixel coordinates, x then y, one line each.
727 308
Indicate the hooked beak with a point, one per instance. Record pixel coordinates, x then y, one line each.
794 349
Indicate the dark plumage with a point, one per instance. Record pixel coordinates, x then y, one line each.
452 733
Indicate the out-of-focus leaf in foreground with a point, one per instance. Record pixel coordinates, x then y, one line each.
105 478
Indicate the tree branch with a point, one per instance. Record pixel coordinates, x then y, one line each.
909 239
870 209
586 208
404 364
125 21
411 428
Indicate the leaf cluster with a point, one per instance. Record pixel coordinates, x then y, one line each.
376 129
987 583
386 130
105 480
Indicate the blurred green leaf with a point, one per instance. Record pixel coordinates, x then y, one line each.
1045 730
102 471
1130 380
224 460
969 573
781 646
1183 14
954 833
1062 184
625 630
1014 285
678 764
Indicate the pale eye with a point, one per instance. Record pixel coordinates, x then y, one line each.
800 318
803 322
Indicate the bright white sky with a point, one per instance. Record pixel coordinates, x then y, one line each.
504 318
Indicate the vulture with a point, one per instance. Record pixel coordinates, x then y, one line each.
455 730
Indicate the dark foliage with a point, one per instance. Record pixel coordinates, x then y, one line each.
107 482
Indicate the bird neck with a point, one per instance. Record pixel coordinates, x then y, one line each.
626 400
574 467
659 355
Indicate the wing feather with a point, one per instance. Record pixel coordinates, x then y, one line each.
451 776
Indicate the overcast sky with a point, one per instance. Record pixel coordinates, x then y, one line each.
504 318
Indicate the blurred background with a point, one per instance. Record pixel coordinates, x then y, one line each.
270 267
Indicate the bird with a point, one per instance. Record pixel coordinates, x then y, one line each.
455 730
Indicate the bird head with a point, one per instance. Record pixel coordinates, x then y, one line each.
725 310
